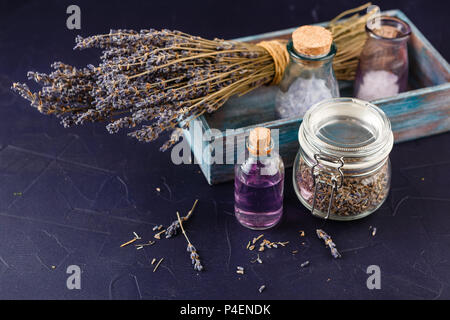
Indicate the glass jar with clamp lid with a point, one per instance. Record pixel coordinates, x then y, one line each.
342 170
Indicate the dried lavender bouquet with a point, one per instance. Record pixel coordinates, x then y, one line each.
154 81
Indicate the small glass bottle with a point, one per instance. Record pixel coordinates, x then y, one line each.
383 64
309 76
259 183
342 170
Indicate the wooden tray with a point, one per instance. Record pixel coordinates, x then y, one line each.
422 111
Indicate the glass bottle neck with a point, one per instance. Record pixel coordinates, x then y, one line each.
264 165
389 31
260 157
312 62
374 42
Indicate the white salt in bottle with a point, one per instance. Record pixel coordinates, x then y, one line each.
383 64
309 78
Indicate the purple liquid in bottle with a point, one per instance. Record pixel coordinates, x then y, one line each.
259 197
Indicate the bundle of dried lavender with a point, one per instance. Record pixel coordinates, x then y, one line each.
155 81
328 242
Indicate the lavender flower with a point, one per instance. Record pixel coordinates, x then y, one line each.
328 242
172 230
195 258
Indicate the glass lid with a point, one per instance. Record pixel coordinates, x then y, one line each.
346 127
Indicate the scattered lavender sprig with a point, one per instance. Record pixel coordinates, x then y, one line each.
172 230
195 258
328 242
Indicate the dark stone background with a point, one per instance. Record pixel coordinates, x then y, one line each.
71 197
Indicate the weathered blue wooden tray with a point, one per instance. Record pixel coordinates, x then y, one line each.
422 111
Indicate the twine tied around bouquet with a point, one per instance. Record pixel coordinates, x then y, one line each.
314 41
278 52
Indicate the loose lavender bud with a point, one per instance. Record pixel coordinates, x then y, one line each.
172 230
195 258
328 242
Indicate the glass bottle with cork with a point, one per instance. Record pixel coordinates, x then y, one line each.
259 183
309 77
383 64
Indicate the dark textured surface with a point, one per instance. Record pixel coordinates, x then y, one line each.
71 197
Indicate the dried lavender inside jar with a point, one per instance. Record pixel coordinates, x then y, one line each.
357 195
342 170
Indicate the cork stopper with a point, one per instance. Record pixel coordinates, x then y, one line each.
312 40
259 142
388 32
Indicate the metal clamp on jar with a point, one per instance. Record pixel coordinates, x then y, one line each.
342 170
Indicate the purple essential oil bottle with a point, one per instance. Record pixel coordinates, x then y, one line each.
259 183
